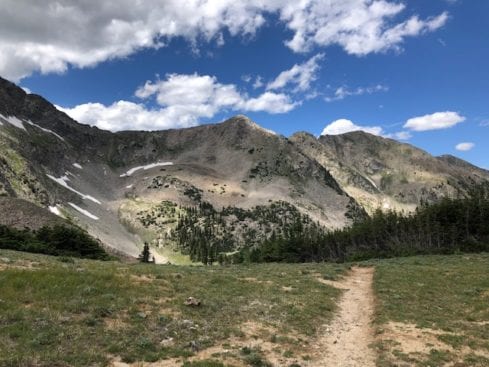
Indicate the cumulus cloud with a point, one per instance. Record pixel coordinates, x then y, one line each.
343 126
359 26
50 36
435 121
343 92
300 76
183 101
465 147
124 115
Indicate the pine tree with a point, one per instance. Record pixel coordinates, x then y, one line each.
145 254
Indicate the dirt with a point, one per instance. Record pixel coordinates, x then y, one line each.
418 343
345 342
255 336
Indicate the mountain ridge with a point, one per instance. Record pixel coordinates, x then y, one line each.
383 173
109 182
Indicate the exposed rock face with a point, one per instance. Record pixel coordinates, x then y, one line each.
383 173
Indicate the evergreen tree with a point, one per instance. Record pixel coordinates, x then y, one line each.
144 257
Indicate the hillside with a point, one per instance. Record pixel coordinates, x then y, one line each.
381 173
103 180
20 214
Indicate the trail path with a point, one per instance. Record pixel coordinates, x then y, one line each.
346 340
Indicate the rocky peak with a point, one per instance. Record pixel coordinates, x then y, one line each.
245 122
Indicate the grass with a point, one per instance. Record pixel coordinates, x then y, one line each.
445 297
74 312
80 312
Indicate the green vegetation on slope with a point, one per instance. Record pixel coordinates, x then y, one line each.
207 235
57 240
441 302
449 226
82 312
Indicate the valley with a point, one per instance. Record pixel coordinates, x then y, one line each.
254 183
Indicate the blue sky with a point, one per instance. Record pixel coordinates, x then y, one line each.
412 70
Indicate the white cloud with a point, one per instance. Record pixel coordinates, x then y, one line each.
269 102
359 26
27 90
343 92
183 99
258 82
124 115
300 75
50 36
343 126
435 121
465 147
400 135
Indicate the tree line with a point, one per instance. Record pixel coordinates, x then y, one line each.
449 226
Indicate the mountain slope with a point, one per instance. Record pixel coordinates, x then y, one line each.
109 181
135 186
383 173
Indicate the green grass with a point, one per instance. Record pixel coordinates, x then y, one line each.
447 294
80 312
74 312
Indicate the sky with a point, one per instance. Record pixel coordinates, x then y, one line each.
413 70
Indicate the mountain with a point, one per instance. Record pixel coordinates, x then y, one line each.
114 183
229 185
383 173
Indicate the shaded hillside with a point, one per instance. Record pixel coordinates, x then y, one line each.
20 214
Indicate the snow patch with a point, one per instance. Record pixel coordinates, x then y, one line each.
55 210
45 130
83 211
63 181
77 165
129 186
372 182
12 120
149 166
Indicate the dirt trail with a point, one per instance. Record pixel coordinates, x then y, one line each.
346 340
